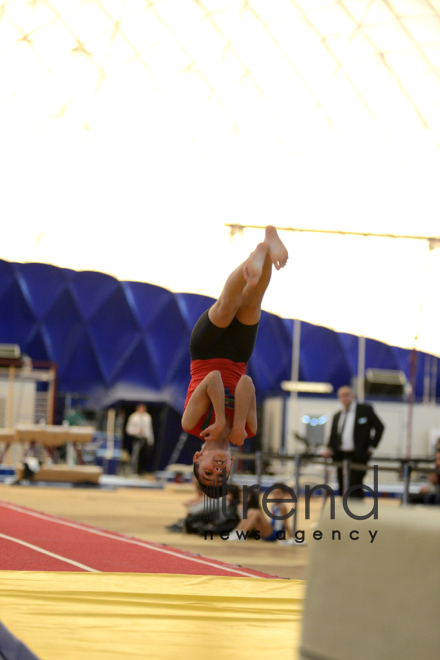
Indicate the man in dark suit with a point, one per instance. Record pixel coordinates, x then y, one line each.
356 431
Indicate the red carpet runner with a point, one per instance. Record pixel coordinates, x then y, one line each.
34 541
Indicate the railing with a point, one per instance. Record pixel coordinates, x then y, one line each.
406 466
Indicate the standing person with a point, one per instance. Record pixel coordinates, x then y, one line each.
356 431
140 428
220 404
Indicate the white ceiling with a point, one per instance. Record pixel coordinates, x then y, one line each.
133 131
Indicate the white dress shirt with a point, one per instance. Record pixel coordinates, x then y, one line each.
140 425
346 427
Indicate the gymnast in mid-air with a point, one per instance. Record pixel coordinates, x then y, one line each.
220 403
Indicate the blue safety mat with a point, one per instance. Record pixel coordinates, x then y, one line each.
11 648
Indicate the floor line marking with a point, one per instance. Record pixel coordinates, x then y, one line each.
143 544
50 554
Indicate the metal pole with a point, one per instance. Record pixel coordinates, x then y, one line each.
161 435
258 467
110 433
67 404
10 411
294 372
434 367
361 370
406 475
411 403
70 452
427 379
410 237
297 467
51 394
181 442
324 497
285 426
346 473
294 376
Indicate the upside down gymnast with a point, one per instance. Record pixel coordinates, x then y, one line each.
220 404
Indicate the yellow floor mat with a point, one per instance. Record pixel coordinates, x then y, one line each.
71 616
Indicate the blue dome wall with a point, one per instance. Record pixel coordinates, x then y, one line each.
106 334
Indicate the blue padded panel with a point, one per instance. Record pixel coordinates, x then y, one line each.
192 307
322 357
271 360
83 372
104 333
7 276
114 331
41 285
36 346
379 355
18 322
63 327
166 354
349 345
138 368
91 290
146 304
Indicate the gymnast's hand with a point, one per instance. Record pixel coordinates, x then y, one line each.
237 436
213 432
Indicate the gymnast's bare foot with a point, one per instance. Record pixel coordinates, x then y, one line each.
277 251
253 267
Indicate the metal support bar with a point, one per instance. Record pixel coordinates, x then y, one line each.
70 454
181 442
324 497
10 411
361 370
51 395
258 467
297 468
427 378
4 452
406 465
158 448
406 476
78 451
294 376
434 368
238 227
346 475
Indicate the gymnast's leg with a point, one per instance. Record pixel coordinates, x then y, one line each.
244 289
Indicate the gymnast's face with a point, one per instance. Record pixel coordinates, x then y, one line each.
212 462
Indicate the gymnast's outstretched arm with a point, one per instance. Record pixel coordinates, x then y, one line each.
209 391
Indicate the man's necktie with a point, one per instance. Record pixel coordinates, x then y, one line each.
345 413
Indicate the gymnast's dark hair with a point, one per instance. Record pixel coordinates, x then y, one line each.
214 492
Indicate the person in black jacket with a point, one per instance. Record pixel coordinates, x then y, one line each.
356 431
